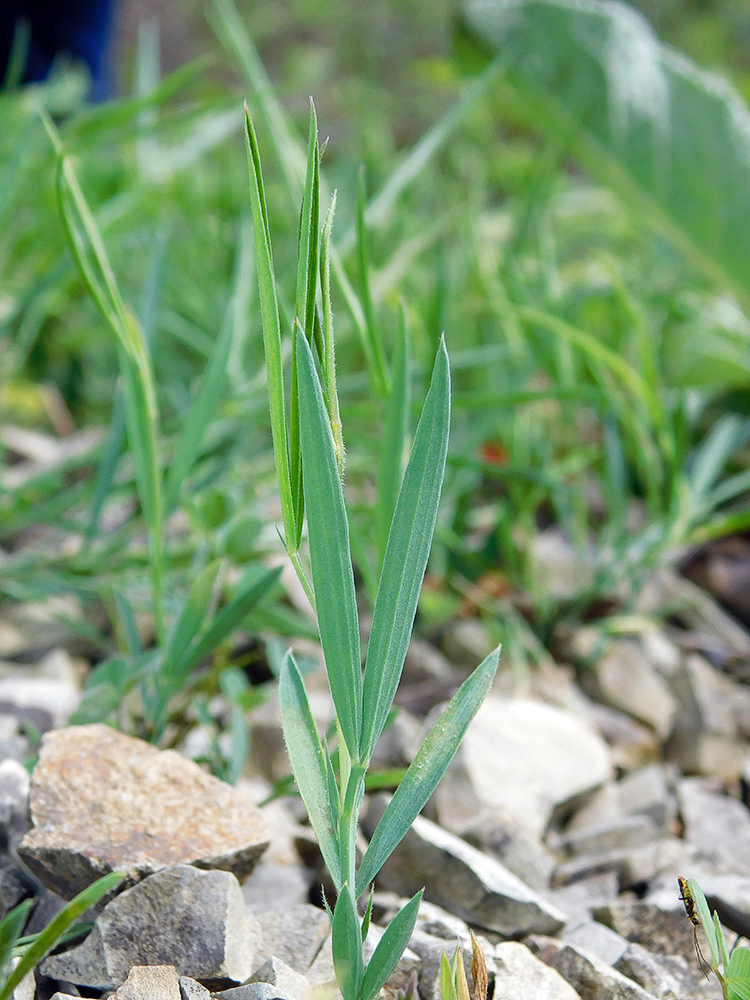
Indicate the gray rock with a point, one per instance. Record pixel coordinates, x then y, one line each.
664 930
283 977
43 693
652 973
467 642
293 935
520 975
625 679
501 837
716 824
283 885
191 989
464 881
256 991
631 744
15 886
14 799
633 866
524 757
593 979
608 835
648 792
578 899
711 724
195 920
103 801
598 939
145 982
430 950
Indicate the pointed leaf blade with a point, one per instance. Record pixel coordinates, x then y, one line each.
390 948
330 559
308 760
406 555
346 945
427 768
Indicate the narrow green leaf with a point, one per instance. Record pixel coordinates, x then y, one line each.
346 945
57 926
426 770
191 618
721 941
269 311
309 764
304 310
667 135
10 929
373 341
202 409
704 915
390 948
447 990
231 616
330 559
406 556
392 446
328 356
737 975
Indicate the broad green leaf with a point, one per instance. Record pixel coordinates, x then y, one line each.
57 926
392 446
330 559
346 945
447 989
231 616
673 139
738 973
269 312
406 556
10 929
390 948
704 915
426 770
308 760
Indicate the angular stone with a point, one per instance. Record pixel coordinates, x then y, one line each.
520 975
499 835
626 680
525 757
102 801
653 974
191 989
716 824
43 693
283 977
664 930
293 935
464 881
195 920
593 979
147 982
598 939
255 991
14 797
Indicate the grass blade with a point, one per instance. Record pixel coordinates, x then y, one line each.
231 616
426 770
406 556
373 342
704 915
396 427
390 948
308 760
346 945
10 929
330 557
269 311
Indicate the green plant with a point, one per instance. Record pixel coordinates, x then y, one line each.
29 951
308 448
732 970
453 982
